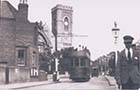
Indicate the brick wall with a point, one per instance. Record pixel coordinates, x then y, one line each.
7 41
17 31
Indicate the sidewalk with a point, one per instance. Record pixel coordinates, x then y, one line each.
30 84
23 85
26 84
111 80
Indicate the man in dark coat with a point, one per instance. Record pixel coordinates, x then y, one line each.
128 66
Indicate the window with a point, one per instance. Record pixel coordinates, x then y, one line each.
77 62
21 56
66 24
82 62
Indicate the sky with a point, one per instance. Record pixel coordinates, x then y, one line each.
94 18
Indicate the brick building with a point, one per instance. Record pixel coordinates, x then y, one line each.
18 43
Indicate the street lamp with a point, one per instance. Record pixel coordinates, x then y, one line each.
115 32
55 73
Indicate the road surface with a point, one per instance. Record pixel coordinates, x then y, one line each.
95 83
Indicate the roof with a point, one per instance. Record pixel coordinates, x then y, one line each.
7 10
81 53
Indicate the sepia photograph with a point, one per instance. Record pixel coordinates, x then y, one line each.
69 45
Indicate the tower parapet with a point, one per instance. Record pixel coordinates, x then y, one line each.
60 6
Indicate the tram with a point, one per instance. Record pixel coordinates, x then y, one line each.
80 66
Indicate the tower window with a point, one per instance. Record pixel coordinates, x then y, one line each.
66 24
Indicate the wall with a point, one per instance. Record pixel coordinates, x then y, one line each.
7 41
19 75
2 75
42 75
15 75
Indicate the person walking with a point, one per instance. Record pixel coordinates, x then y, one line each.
128 66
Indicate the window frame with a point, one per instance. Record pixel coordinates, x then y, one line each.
21 61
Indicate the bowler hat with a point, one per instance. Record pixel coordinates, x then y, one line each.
128 39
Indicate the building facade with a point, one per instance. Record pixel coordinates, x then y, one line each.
62 25
18 42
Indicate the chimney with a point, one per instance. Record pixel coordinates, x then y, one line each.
23 9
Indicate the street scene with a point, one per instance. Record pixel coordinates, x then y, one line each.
69 45
96 83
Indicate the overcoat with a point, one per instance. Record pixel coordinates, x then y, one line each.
126 70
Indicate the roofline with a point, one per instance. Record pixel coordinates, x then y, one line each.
11 8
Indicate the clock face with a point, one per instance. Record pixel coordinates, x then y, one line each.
66 23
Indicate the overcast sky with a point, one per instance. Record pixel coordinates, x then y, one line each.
94 18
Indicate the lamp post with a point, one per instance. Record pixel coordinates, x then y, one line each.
55 73
115 32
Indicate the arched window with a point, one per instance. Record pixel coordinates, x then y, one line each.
66 24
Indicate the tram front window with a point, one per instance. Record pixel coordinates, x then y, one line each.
83 62
76 62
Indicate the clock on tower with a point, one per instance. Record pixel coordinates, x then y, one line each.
62 24
66 24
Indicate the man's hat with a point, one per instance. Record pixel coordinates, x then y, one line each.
128 39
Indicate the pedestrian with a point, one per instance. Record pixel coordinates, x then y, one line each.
128 66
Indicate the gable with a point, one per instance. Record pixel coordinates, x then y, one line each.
7 10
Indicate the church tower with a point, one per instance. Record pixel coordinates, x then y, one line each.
62 25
